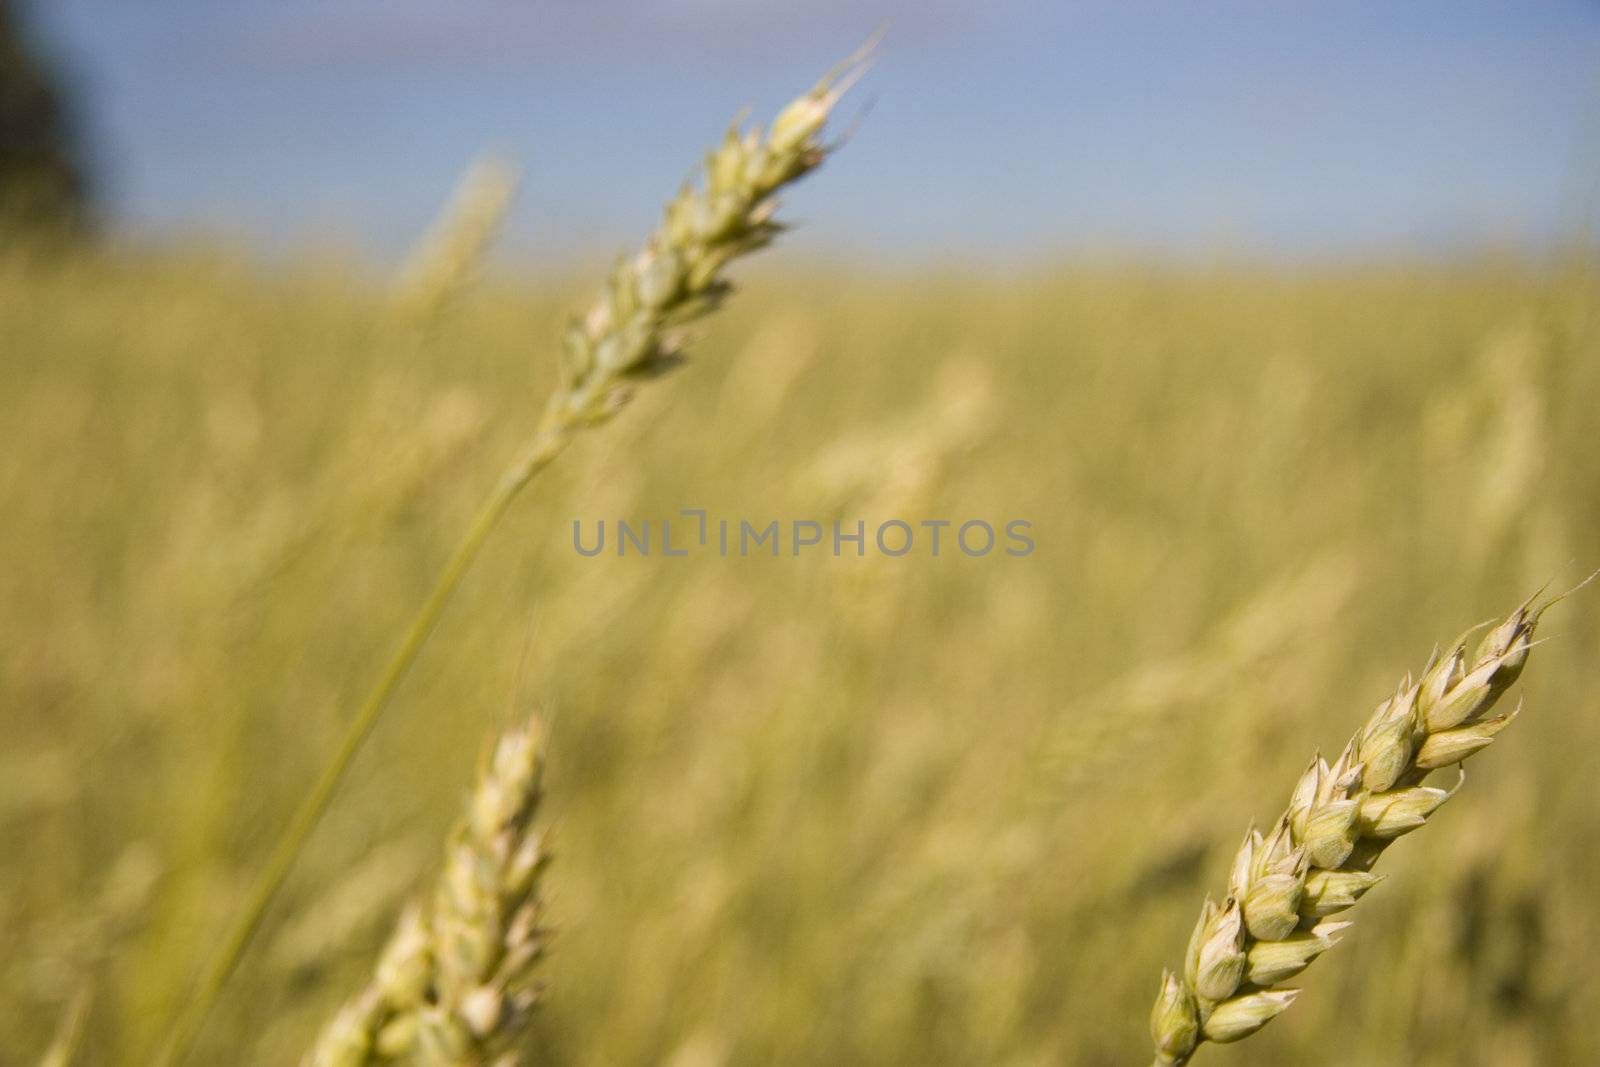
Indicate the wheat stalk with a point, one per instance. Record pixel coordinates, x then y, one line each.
454 984
630 334
1316 861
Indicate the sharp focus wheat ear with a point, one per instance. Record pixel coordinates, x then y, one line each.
1317 860
455 982
627 336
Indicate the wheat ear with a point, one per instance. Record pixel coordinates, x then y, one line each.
450 255
629 335
455 982
1317 859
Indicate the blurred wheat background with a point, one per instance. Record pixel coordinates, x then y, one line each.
804 810
814 809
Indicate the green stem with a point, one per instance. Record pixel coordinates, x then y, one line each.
534 456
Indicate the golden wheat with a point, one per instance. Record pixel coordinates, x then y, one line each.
1317 859
454 984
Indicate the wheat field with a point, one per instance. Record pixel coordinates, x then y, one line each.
801 809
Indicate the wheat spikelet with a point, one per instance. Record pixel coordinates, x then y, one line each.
1317 859
454 985
631 332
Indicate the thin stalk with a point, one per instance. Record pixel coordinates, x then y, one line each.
534 456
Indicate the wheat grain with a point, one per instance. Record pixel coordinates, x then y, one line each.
1317 859
455 982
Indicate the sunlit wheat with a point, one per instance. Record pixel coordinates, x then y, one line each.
1316 861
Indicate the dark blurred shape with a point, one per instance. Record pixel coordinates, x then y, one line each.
41 182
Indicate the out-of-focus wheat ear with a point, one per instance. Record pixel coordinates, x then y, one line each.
380 1022
485 926
448 258
456 981
1317 860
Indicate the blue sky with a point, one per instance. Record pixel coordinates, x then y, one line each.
996 131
